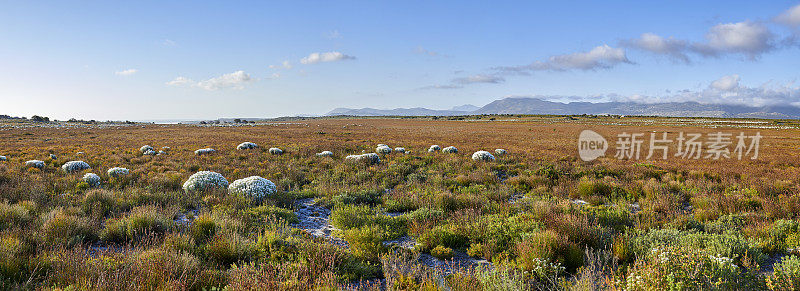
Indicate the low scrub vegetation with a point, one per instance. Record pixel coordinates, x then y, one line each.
532 217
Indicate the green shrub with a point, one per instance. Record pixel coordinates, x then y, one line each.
440 236
140 222
442 252
684 268
13 215
203 228
370 197
351 216
225 250
365 242
65 229
257 216
786 275
99 203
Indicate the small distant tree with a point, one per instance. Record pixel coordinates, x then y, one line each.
237 120
38 118
203 122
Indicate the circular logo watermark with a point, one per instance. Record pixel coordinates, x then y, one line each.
591 145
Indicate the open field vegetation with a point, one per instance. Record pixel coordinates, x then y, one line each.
534 217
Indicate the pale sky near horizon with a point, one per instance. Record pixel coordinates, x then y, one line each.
144 60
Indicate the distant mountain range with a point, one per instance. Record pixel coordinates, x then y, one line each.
516 105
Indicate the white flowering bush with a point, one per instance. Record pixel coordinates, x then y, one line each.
383 149
246 146
205 180
482 156
204 151
150 153
146 148
370 158
500 152
685 268
165 148
3 158
53 157
117 172
92 179
400 150
255 188
434 148
545 269
275 151
75 166
162 152
450 150
35 164
325 154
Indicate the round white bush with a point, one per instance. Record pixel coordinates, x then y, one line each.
165 148
75 166
91 179
382 145
255 187
450 150
325 154
150 153
400 150
146 148
204 151
434 148
35 164
383 149
482 156
500 152
53 157
246 146
3 158
370 158
275 151
205 180
79 153
116 172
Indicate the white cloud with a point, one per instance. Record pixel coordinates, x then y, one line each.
726 83
235 80
441 87
727 90
333 35
479 79
285 64
749 38
314 58
656 44
127 72
180 81
423 51
601 57
790 17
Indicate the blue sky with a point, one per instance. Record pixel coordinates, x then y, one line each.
200 60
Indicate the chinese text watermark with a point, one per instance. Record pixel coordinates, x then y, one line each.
714 145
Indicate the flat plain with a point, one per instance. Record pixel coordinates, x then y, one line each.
536 217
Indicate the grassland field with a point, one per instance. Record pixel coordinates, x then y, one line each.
535 218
